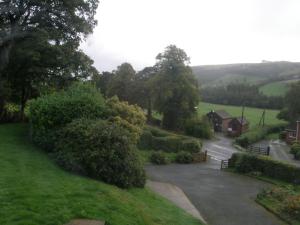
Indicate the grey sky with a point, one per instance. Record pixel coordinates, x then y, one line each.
210 31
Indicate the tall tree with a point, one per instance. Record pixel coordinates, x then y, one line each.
122 82
142 91
63 21
42 37
292 110
176 88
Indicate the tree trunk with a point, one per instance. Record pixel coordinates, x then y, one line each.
149 110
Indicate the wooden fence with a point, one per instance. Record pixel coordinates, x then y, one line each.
258 150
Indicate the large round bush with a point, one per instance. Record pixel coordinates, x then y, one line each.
51 112
102 150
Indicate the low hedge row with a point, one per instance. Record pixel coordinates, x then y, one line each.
157 139
257 134
247 163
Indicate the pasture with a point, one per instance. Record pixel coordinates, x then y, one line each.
253 115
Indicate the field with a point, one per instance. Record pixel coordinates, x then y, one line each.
253 115
275 89
33 190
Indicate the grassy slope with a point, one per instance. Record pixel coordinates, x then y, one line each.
275 89
33 190
253 115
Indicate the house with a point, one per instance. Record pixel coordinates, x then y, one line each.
237 126
220 120
293 133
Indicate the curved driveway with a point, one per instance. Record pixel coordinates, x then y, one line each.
223 198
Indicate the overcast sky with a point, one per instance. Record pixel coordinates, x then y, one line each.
210 31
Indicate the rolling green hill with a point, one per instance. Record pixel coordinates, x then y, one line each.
33 190
254 73
277 88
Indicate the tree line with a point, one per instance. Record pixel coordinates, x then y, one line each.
241 94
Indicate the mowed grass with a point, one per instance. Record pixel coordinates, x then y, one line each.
34 191
275 89
253 115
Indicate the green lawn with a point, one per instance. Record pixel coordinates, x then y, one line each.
275 89
34 191
253 115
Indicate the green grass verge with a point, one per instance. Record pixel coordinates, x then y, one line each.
253 115
33 190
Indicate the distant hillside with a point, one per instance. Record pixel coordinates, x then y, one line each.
254 73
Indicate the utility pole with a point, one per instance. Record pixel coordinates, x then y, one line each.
242 119
262 119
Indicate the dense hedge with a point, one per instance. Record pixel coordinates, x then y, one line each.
102 150
246 163
157 139
257 134
295 150
184 157
159 158
199 128
51 112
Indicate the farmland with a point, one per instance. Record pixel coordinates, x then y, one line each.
253 115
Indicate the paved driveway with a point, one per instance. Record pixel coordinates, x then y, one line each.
279 151
223 198
219 148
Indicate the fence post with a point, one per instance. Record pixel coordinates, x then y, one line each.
268 150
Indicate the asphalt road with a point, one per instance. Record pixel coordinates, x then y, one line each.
223 198
279 151
219 148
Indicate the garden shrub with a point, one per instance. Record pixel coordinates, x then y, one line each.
198 128
291 206
246 163
157 139
51 112
133 117
257 134
159 158
100 149
295 150
184 157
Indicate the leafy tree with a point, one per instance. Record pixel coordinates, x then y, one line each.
142 91
43 38
102 81
121 82
291 112
64 21
175 87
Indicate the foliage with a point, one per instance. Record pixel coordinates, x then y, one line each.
199 128
246 163
121 82
241 94
275 89
39 192
175 88
295 150
284 200
292 110
257 134
159 158
51 112
39 45
157 139
184 157
102 150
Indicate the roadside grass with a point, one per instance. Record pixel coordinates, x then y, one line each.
33 190
253 115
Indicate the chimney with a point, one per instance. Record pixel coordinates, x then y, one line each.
298 131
